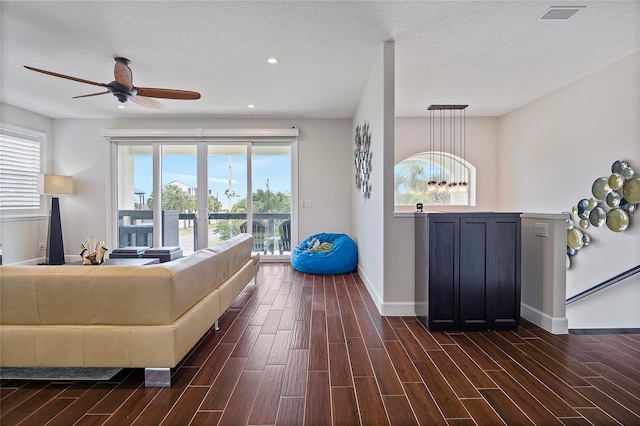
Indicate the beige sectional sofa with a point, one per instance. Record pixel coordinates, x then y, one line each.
119 316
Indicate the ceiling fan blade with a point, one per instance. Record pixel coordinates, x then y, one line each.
123 75
55 74
91 94
152 92
147 103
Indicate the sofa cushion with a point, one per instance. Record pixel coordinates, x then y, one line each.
232 255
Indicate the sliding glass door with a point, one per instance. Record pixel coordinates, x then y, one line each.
227 183
179 178
271 198
208 192
135 186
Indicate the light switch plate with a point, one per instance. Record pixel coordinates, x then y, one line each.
542 229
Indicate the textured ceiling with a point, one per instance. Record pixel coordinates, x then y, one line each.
493 55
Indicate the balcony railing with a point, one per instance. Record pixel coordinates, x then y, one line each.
135 228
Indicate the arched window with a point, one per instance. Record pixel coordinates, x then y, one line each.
413 176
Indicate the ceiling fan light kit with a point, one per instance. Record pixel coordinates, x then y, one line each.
124 90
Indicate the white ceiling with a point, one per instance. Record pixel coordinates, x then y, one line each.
493 55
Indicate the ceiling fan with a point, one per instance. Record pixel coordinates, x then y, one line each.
123 88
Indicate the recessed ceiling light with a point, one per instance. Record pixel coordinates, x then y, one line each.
121 106
251 106
272 60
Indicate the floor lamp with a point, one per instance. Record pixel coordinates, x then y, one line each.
55 185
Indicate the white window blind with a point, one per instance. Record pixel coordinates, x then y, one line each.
19 169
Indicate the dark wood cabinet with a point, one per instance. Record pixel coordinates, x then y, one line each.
468 270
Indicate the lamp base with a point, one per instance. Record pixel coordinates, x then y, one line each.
55 246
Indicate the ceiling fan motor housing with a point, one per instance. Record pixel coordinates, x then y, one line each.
121 92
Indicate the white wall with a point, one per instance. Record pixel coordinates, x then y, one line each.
325 157
543 273
368 215
20 236
412 137
552 150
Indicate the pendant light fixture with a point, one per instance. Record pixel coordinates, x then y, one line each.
431 185
453 185
451 136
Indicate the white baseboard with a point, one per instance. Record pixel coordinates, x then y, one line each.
36 261
554 325
40 260
392 309
398 309
372 292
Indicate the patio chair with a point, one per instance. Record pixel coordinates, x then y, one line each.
285 236
259 232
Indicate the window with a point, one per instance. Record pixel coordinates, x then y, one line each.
20 153
412 175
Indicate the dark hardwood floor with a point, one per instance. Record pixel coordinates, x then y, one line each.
298 349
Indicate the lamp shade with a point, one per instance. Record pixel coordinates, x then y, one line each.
55 185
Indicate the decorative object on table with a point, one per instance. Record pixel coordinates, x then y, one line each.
325 254
419 207
614 199
131 252
92 252
55 185
362 159
164 254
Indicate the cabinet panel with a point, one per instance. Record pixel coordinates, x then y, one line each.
443 277
506 274
473 273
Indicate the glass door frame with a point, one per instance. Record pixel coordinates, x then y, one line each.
202 138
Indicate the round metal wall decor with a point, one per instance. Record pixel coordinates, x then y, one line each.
619 166
615 198
631 190
597 217
574 239
617 220
583 209
600 188
615 181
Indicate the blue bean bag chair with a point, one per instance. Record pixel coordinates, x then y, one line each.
341 257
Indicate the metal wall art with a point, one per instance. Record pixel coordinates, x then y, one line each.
362 159
614 199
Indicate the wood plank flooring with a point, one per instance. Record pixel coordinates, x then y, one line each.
298 349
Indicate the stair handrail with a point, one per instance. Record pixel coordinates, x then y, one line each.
604 284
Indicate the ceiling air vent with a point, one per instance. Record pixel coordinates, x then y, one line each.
561 12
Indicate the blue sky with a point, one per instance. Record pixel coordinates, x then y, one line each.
275 168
